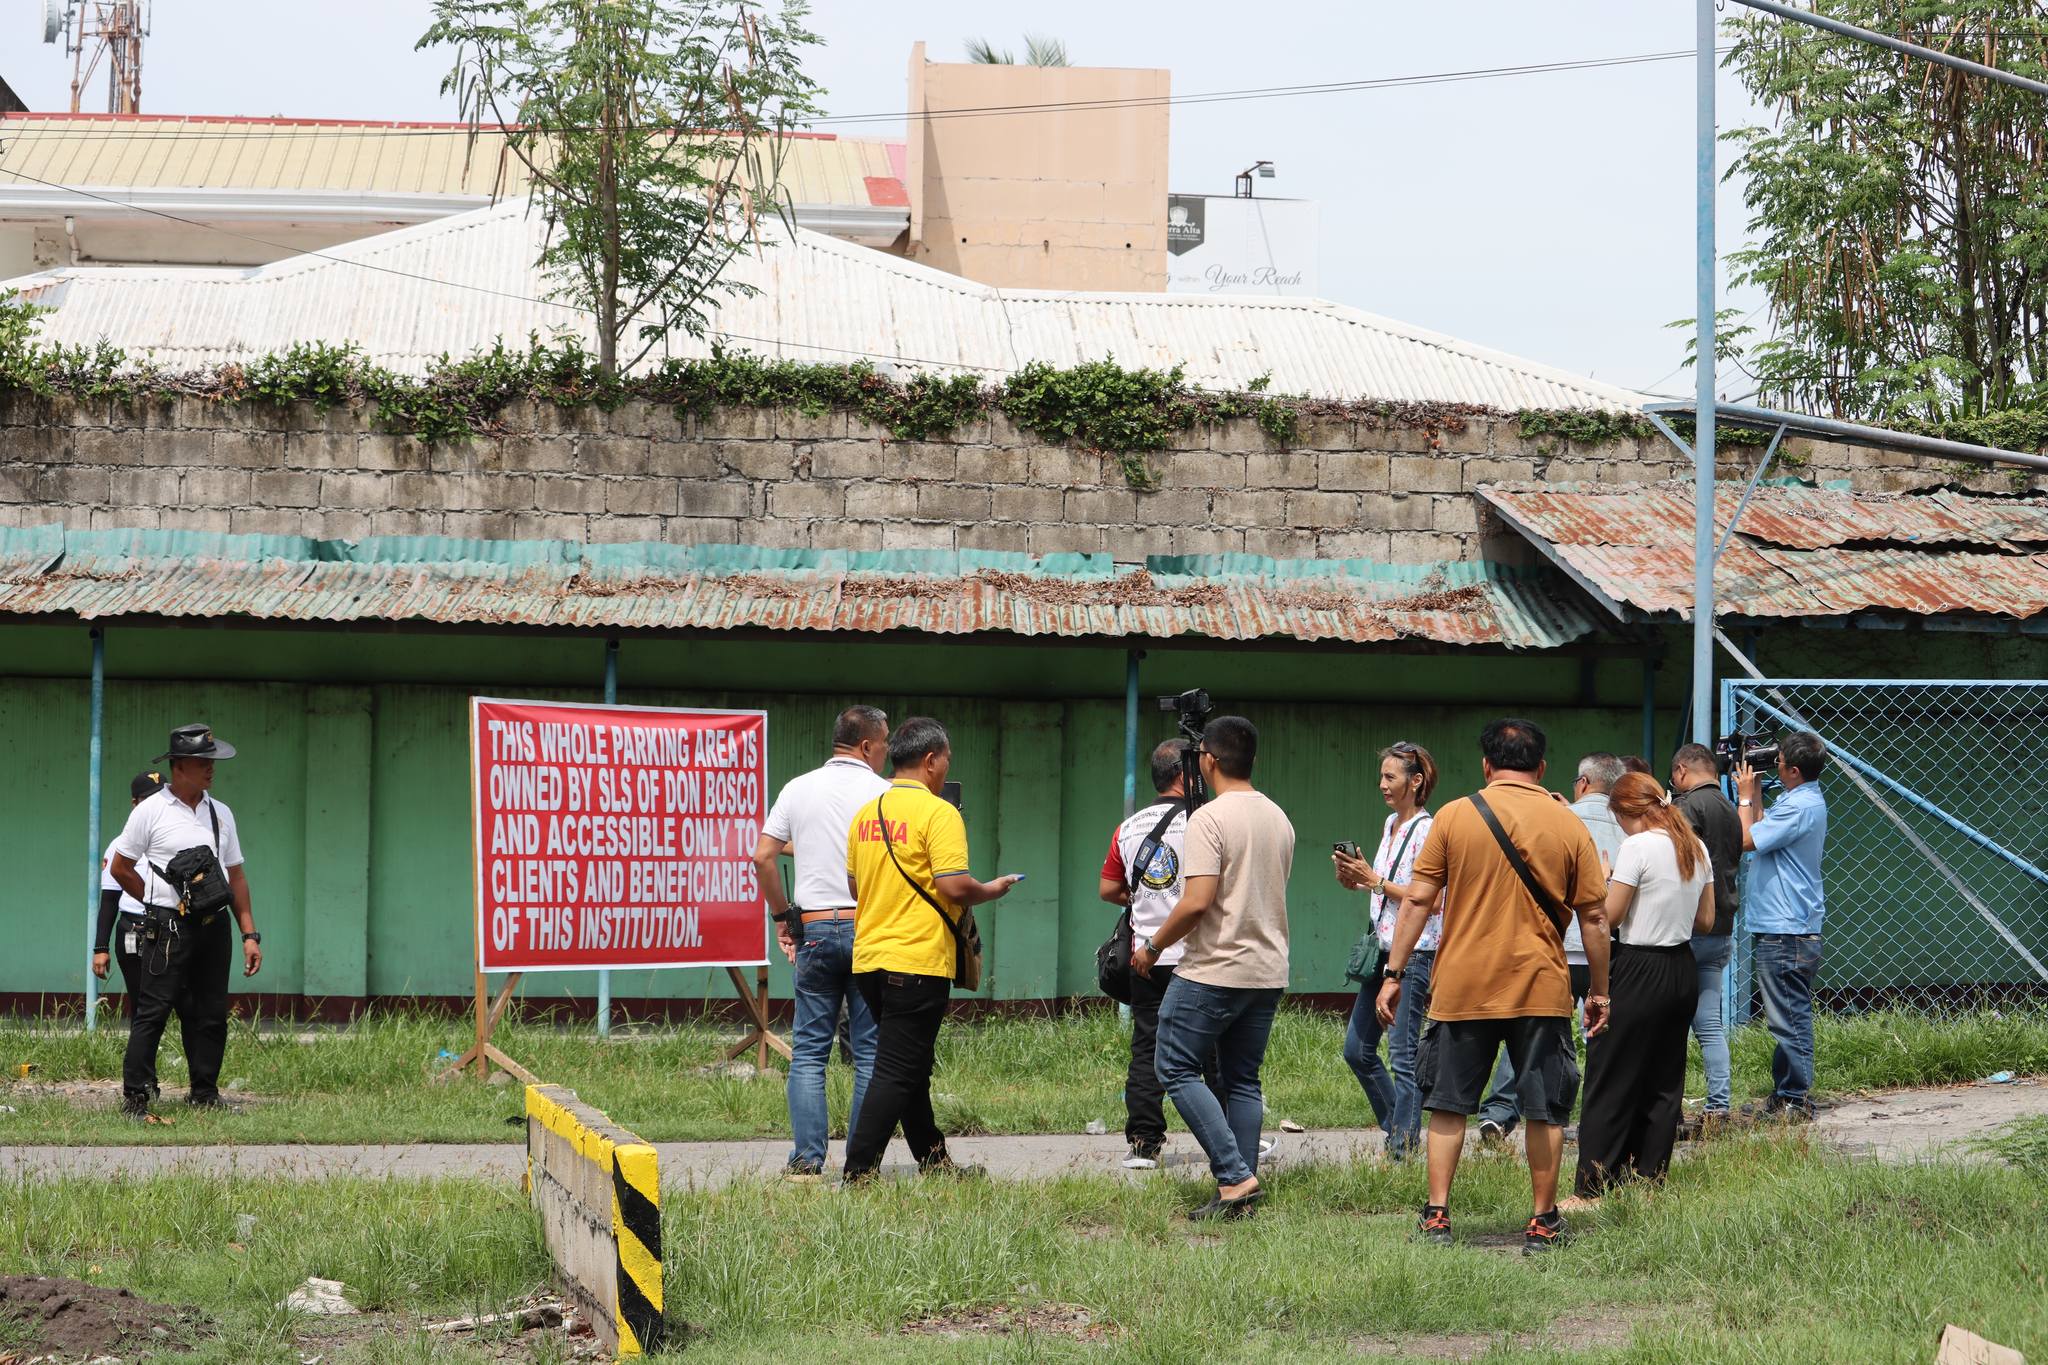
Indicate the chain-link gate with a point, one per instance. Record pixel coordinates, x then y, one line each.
1936 867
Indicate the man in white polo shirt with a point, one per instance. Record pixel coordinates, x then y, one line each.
809 821
184 955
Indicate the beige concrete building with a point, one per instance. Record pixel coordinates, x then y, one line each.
1067 199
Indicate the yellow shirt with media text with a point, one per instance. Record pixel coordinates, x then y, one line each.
894 929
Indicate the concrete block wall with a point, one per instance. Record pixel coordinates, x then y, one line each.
1345 488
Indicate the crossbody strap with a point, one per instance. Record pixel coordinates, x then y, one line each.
1152 843
925 895
1558 914
1379 898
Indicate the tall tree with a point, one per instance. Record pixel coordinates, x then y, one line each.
1898 209
652 133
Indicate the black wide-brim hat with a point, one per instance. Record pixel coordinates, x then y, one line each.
196 741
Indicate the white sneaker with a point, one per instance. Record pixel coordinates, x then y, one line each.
1141 1160
1267 1144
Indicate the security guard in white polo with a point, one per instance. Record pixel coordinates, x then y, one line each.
185 957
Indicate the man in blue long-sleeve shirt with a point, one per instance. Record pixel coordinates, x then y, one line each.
1784 904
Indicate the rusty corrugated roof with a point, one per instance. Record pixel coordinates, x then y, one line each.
96 575
1798 551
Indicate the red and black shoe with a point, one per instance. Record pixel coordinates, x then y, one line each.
1434 1226
1546 1232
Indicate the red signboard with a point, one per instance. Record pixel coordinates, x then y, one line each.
616 836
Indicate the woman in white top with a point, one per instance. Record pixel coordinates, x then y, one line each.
1407 776
1660 894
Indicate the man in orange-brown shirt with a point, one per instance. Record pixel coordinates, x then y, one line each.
1500 976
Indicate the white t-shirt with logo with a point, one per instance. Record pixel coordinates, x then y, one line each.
162 827
812 814
1662 912
1158 886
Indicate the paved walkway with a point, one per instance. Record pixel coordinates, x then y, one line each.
1899 1126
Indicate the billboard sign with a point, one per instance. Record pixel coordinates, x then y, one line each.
1222 244
616 836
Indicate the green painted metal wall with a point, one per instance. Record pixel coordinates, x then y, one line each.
352 796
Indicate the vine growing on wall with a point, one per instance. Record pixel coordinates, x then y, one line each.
1129 414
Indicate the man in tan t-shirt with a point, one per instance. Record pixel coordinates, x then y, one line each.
1232 912
1500 975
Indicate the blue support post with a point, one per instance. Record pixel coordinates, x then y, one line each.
1650 709
604 976
1703 367
1730 977
92 822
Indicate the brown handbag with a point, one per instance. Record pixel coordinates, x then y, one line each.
966 937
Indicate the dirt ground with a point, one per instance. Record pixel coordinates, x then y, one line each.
63 1320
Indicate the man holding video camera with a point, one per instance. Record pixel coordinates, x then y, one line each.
1785 904
180 858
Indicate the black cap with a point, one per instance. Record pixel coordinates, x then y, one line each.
196 741
145 784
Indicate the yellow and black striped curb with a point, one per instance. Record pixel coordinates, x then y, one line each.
597 1189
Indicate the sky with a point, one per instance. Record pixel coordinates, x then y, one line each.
1549 216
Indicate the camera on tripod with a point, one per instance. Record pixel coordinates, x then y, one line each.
1191 711
1758 751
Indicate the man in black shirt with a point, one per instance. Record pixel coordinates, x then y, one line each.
1696 784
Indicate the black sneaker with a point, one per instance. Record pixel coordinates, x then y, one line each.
1544 1234
215 1101
1434 1226
1493 1133
944 1167
804 1172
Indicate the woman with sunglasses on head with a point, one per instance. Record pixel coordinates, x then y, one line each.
1660 893
1407 776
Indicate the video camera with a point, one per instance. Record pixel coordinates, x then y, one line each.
1191 710
1758 751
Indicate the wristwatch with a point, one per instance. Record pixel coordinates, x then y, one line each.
1149 946
1391 973
253 937
1745 801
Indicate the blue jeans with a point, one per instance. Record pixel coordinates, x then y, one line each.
1786 965
824 977
1709 1022
1232 1023
1395 1098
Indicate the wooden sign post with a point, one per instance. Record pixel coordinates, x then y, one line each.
759 1036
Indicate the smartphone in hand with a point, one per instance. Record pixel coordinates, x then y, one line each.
1347 847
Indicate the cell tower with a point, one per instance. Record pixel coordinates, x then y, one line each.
101 30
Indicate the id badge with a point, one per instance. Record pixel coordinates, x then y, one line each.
128 944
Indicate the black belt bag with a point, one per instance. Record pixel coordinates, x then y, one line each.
197 878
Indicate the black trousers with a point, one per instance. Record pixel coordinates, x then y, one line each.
129 962
1635 1070
1144 1096
908 1010
187 973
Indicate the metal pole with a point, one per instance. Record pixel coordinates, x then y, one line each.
604 976
92 823
1650 709
1703 367
1131 657
1821 21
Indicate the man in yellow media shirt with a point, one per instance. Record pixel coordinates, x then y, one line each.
906 858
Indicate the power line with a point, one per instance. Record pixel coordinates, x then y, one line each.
478 288
973 111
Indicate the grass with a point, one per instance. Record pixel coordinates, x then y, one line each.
1758 1251
2023 1143
369 1082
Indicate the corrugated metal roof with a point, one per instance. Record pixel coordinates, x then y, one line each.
93 575
455 285
145 151
1797 552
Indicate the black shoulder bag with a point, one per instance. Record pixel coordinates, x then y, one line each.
1113 958
198 878
966 937
1560 917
